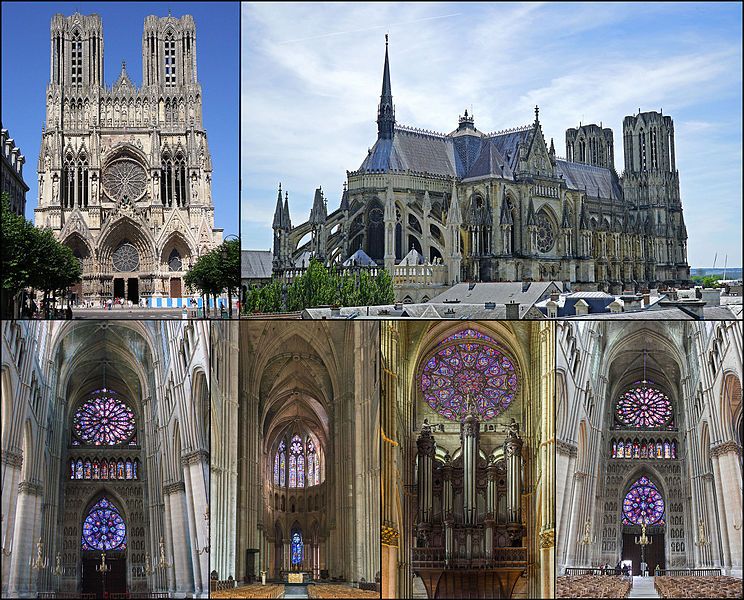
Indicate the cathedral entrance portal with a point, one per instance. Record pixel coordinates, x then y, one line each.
175 287
118 287
116 578
133 290
654 551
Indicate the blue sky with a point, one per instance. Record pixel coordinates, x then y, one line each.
311 77
25 75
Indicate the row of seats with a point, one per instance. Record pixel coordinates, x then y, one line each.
329 590
592 586
111 596
255 590
698 587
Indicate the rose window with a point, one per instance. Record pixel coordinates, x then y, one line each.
545 233
125 180
126 258
469 367
643 406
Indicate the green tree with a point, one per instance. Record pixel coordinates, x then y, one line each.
215 272
32 258
322 286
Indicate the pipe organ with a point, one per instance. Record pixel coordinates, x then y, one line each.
468 522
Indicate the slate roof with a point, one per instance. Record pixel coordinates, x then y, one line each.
255 264
422 311
359 258
597 301
501 292
579 176
463 156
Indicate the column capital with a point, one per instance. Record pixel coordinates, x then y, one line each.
32 489
174 488
195 457
13 459
725 448
547 538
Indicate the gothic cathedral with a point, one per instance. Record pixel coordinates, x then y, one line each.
503 206
125 172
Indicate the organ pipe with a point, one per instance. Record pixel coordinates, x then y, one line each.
513 453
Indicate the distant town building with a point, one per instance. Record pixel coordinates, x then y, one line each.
12 173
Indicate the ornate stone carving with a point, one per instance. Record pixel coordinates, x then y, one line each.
174 488
547 538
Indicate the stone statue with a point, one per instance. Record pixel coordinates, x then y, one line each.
701 530
587 529
513 429
426 427
55 190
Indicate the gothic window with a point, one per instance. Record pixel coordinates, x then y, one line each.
104 528
104 420
180 183
644 406
642 148
468 366
76 60
643 504
174 261
125 258
653 149
124 180
68 182
545 232
376 231
170 61
313 464
300 471
276 464
297 548
295 454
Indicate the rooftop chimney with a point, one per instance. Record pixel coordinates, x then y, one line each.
512 311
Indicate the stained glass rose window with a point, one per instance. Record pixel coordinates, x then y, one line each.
124 179
643 406
545 232
469 366
643 504
104 528
104 420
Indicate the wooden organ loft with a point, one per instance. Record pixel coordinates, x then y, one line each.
468 526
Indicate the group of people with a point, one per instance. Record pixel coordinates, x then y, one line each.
624 569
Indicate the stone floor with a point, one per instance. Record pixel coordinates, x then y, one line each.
643 587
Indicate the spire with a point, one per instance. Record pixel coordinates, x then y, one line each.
537 116
286 221
552 147
386 110
531 214
565 219
318 214
506 216
278 212
453 215
345 199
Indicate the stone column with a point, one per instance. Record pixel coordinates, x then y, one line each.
578 496
22 579
182 570
12 462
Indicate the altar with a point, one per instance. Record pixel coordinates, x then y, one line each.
298 577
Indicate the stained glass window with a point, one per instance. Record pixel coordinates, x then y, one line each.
79 470
276 469
469 365
317 469
643 504
295 453
292 471
300 471
282 469
279 464
120 470
297 548
643 406
128 468
104 528
104 470
104 420
96 470
134 468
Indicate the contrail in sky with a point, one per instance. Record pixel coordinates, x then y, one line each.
323 35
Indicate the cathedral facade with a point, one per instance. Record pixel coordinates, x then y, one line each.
125 172
503 206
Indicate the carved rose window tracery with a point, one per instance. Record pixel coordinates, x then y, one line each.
124 179
545 233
